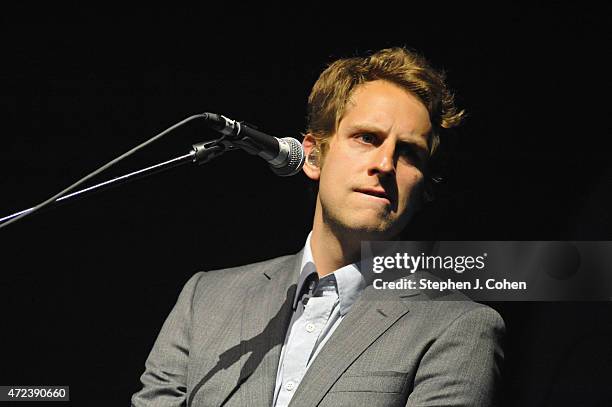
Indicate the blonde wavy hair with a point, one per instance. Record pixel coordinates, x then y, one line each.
407 69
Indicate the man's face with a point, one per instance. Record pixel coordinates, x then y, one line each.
372 173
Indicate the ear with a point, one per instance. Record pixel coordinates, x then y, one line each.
311 169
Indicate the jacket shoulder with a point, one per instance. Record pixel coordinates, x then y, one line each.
448 307
244 276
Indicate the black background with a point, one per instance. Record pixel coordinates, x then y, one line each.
85 287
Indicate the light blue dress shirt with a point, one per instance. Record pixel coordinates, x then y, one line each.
313 323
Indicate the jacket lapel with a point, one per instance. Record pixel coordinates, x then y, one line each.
371 315
265 321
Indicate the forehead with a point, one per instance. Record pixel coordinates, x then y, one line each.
385 107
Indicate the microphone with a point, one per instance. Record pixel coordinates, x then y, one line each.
285 155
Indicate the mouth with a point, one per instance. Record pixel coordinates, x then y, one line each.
377 193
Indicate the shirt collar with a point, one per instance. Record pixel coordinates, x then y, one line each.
350 280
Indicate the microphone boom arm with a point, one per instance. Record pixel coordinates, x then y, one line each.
200 153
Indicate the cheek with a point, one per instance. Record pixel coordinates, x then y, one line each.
337 167
410 182
329 179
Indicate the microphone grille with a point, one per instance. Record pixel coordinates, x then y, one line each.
294 161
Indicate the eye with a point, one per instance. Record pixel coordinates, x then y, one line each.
411 154
407 151
367 138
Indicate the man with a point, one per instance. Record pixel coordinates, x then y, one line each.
309 329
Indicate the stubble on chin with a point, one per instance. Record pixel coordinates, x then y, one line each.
383 228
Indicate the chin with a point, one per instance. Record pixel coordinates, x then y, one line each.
381 229
372 230
365 224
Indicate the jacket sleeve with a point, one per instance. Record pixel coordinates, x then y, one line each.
462 366
164 379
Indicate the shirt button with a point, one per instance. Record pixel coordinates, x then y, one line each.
310 327
289 386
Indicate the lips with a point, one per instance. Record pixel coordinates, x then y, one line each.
376 192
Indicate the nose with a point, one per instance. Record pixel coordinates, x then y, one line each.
383 159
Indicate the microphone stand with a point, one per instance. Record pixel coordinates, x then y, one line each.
200 153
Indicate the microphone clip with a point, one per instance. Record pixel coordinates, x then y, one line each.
206 151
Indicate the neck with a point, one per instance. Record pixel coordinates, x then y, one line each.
331 247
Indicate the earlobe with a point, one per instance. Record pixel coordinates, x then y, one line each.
313 157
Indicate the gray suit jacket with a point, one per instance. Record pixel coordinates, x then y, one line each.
221 345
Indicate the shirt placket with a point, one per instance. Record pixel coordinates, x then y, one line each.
304 336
